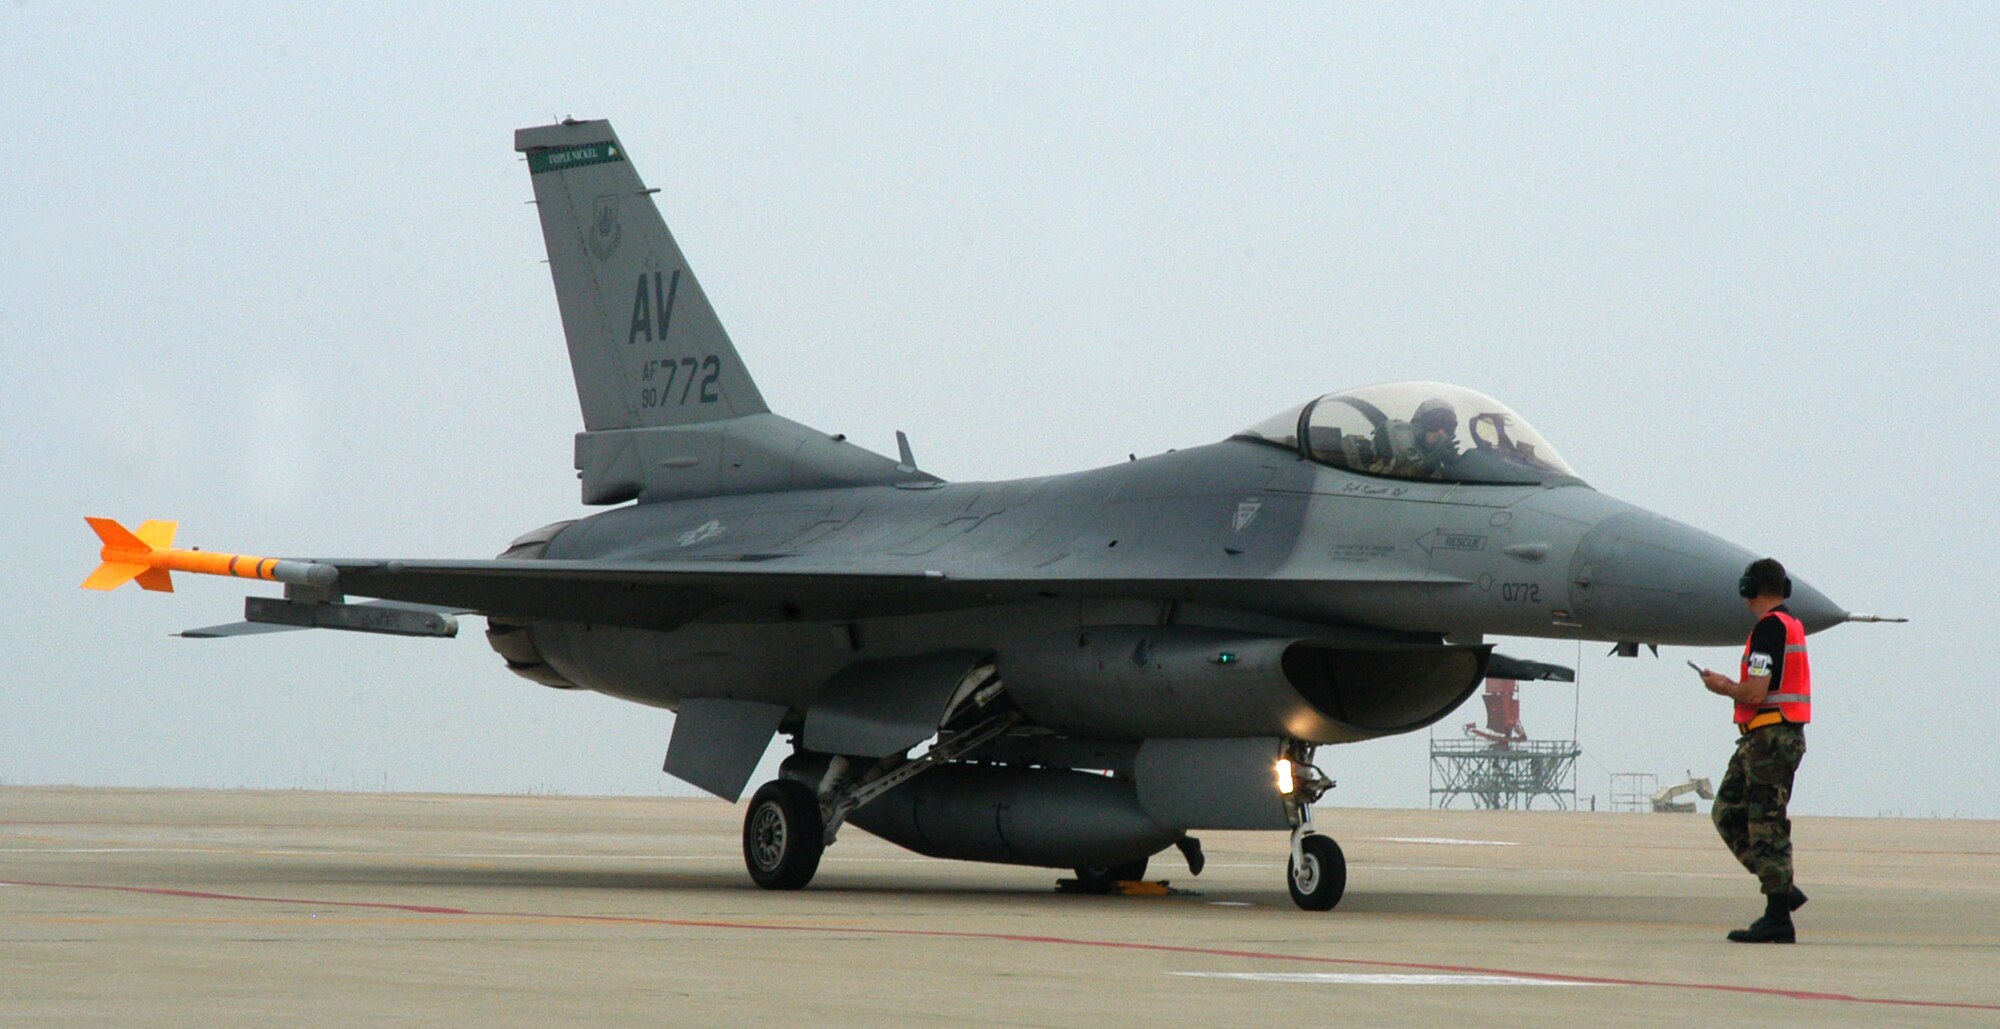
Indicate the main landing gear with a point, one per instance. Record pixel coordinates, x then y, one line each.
790 825
783 835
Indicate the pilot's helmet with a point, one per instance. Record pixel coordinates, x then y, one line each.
1435 413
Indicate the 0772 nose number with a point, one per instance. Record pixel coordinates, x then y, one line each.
1521 592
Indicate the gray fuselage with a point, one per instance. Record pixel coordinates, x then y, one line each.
1238 535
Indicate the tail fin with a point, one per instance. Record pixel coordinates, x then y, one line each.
125 553
669 411
646 348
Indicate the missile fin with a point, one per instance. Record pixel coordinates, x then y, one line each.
156 578
116 535
157 534
110 575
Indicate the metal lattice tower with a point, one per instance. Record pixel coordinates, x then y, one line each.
1504 775
1499 766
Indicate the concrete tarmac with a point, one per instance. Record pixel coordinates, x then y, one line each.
168 908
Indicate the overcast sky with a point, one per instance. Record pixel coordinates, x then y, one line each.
272 275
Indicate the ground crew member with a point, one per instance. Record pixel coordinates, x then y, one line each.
1773 704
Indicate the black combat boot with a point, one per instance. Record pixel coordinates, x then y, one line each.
1774 927
1796 899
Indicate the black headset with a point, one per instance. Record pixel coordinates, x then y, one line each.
1746 587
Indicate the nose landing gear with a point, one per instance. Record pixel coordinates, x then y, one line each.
1317 871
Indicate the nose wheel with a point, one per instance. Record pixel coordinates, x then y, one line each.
783 835
1317 872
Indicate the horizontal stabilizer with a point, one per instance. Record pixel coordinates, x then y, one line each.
212 632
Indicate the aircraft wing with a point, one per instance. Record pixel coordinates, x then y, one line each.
417 596
661 595
639 594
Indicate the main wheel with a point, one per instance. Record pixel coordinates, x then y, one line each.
783 835
1104 880
1321 878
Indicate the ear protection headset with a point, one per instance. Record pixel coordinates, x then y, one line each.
1746 587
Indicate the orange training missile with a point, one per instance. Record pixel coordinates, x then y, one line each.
148 555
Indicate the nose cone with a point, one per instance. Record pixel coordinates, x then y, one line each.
1812 608
1640 576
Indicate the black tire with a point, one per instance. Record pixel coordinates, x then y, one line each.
1318 885
1104 880
783 836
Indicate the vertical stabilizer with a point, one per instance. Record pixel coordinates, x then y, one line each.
669 411
646 348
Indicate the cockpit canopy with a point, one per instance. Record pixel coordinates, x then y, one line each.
1417 430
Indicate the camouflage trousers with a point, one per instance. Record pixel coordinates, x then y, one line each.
1750 805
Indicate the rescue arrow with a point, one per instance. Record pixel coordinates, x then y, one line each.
148 556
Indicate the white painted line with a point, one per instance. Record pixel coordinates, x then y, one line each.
1444 841
1383 979
1231 904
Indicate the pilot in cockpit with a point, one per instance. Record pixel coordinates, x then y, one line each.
1436 425
1416 430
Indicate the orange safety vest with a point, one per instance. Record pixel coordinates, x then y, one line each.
1795 703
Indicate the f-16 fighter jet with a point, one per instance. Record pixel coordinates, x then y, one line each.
1072 672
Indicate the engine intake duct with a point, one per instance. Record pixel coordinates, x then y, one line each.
1133 682
1047 817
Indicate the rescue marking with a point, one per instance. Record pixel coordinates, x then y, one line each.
1059 941
1439 539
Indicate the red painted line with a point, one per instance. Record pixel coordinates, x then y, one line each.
200 895
1059 941
134 823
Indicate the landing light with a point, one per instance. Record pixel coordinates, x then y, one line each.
1285 783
